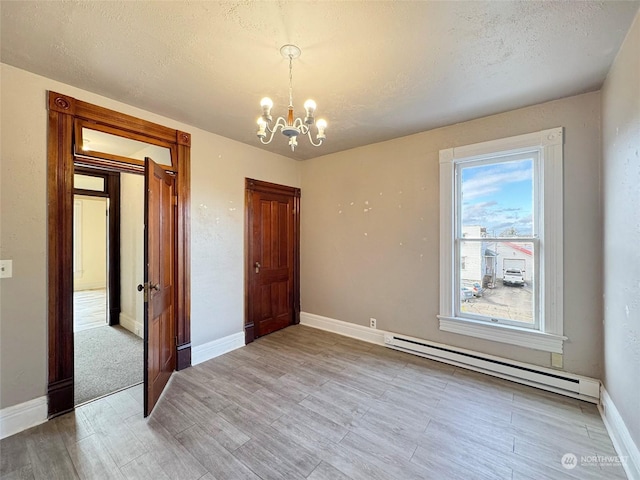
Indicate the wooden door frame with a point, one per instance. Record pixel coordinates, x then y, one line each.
112 192
65 114
252 185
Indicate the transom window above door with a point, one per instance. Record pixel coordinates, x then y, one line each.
105 142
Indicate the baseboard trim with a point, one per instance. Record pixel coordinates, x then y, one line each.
381 337
209 350
131 324
90 286
620 436
347 329
22 416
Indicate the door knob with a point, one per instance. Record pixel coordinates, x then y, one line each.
257 265
152 286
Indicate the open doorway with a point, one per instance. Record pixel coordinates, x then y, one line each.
90 217
72 145
107 266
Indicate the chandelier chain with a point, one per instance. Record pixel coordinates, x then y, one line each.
290 81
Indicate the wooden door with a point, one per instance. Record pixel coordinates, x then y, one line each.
159 254
272 258
66 117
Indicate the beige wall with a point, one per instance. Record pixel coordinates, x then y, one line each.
370 231
131 252
219 166
92 244
621 205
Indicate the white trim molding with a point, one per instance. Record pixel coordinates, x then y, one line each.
346 329
80 286
625 446
215 348
552 380
131 324
548 145
557 381
522 337
22 416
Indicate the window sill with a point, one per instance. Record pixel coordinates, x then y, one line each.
521 337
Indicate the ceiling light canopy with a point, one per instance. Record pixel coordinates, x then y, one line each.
291 127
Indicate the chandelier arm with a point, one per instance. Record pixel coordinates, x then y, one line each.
270 138
279 124
311 139
299 124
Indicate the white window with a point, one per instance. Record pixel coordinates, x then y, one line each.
501 240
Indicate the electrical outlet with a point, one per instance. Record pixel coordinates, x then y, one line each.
556 360
372 323
6 268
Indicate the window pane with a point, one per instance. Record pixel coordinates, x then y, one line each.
498 280
497 198
102 142
87 182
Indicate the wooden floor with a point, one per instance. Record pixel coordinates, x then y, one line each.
89 309
302 403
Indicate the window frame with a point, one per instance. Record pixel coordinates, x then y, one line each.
549 334
459 236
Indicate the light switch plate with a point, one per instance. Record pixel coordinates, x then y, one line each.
6 268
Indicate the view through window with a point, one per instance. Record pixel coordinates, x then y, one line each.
497 239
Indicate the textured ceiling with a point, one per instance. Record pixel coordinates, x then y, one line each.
377 70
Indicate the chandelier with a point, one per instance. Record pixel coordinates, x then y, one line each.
291 127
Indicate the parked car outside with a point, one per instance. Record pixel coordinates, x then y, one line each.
466 294
513 277
477 289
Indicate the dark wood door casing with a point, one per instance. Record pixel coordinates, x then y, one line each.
63 112
272 258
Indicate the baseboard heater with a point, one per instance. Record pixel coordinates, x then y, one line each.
575 386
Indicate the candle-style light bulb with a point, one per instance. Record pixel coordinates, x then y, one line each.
267 104
262 127
310 108
321 124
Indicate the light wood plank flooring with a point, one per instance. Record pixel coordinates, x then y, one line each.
302 403
89 309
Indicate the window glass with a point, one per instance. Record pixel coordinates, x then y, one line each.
88 182
498 283
496 244
497 196
101 142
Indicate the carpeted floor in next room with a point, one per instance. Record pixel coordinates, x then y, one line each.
107 359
